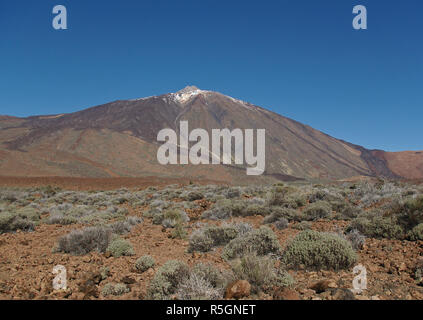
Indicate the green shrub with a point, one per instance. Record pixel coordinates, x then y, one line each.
194 195
10 222
178 232
124 227
303 225
200 241
276 197
260 272
205 239
375 225
117 289
409 213
317 210
416 233
217 278
144 263
260 241
120 247
349 212
281 224
319 250
277 213
167 279
80 242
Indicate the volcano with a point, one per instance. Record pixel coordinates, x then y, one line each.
119 139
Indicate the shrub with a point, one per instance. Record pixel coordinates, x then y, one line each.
10 222
276 196
224 209
61 219
114 289
221 235
319 250
349 212
80 242
211 236
416 233
124 227
167 279
260 241
120 247
217 278
376 226
178 232
278 213
409 213
281 224
241 227
144 263
196 287
303 225
317 210
194 195
356 239
200 241
260 272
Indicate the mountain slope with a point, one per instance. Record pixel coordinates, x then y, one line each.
119 139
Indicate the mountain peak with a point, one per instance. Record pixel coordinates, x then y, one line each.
187 93
188 89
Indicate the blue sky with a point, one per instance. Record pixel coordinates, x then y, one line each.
299 58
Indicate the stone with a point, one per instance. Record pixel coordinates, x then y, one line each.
286 294
238 289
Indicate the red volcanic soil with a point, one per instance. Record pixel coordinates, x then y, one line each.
98 183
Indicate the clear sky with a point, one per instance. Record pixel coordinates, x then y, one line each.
301 58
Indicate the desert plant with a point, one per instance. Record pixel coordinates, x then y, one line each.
319 250
303 225
124 227
80 242
200 241
10 222
278 213
120 247
260 241
281 224
195 287
416 233
373 224
167 279
114 289
260 272
144 263
317 210
356 238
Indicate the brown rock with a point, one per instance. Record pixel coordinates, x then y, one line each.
238 289
342 294
321 286
128 280
285 294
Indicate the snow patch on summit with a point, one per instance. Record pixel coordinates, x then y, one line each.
187 93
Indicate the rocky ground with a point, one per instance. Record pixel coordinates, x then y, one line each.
27 261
